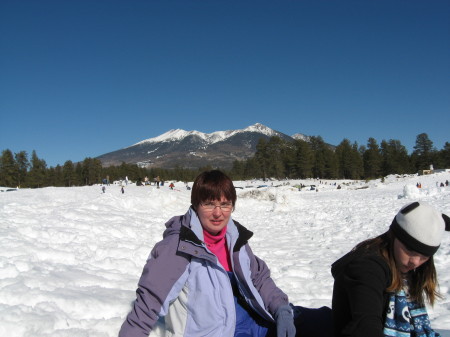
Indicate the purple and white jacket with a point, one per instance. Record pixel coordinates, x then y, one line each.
184 286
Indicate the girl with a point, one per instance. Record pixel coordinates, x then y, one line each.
380 287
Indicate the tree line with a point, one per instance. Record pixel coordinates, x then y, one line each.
277 158
274 158
17 170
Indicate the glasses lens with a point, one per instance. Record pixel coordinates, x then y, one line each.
226 206
208 206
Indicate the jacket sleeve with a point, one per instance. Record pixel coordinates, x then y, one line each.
364 282
272 296
156 288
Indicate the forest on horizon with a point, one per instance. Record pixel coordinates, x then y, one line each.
274 158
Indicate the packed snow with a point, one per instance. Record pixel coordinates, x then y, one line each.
70 258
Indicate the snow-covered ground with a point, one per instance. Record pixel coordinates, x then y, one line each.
70 258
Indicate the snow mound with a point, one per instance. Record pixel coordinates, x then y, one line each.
258 195
410 192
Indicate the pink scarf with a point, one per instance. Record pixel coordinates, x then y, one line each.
217 244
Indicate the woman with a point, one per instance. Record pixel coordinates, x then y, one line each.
204 279
380 287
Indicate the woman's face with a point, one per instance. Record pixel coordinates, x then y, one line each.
215 214
407 260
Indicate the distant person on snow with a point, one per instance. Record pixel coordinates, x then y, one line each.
380 287
203 279
171 186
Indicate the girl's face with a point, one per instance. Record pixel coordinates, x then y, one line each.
407 260
215 214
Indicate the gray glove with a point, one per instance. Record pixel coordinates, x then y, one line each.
285 321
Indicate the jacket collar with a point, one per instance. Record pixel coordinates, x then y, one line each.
192 231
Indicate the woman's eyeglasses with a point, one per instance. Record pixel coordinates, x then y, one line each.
210 206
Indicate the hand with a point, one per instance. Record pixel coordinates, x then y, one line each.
285 322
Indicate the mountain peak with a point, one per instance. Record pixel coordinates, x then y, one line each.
301 136
211 138
171 135
193 149
258 127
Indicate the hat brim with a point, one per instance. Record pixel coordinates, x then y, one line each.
411 242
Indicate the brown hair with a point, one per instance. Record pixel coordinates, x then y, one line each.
212 185
423 281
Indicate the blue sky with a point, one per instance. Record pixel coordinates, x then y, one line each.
82 78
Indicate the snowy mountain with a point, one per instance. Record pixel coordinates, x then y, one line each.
210 138
194 149
301 137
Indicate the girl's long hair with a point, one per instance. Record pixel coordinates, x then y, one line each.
422 282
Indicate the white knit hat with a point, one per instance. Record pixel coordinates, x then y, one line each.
420 227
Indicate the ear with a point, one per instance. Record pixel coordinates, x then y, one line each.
447 222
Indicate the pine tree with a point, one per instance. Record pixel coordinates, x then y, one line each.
303 159
68 172
331 164
289 160
262 157
79 174
444 154
395 158
54 176
319 157
358 164
276 152
8 169
344 155
22 167
349 160
92 171
372 159
252 169
37 172
423 152
238 170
